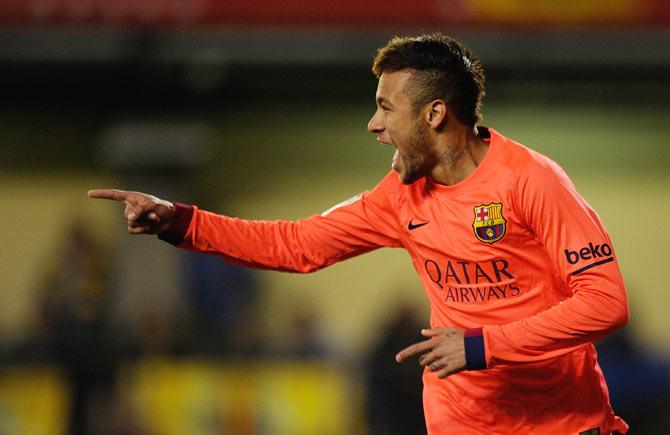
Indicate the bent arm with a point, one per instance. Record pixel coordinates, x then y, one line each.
582 255
597 307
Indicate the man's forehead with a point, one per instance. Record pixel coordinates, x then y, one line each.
391 84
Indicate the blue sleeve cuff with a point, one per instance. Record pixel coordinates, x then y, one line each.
180 223
475 354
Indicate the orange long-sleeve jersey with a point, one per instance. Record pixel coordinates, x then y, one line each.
513 254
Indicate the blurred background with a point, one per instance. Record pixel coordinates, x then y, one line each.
258 109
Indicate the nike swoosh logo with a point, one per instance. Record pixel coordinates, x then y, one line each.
412 226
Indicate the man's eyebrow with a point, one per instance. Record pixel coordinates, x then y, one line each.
382 100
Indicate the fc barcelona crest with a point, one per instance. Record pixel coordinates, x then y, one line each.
489 224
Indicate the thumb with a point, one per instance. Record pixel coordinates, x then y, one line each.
433 332
134 212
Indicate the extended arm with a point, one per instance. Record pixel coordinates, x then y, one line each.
365 223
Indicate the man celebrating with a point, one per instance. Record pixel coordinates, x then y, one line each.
520 273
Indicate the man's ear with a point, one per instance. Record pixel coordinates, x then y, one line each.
436 114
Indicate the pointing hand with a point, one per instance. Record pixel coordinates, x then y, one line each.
145 214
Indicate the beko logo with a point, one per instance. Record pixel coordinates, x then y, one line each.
601 253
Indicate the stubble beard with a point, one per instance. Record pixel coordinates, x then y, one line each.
419 159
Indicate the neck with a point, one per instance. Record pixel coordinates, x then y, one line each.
459 152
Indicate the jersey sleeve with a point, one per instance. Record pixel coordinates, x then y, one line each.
359 225
582 256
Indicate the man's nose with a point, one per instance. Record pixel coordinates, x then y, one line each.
375 125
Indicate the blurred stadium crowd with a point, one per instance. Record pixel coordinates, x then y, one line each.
258 108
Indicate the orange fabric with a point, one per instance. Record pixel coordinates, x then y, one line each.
513 248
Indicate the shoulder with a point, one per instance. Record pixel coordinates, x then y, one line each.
387 192
391 182
528 165
380 197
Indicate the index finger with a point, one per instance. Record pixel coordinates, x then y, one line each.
415 349
113 194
